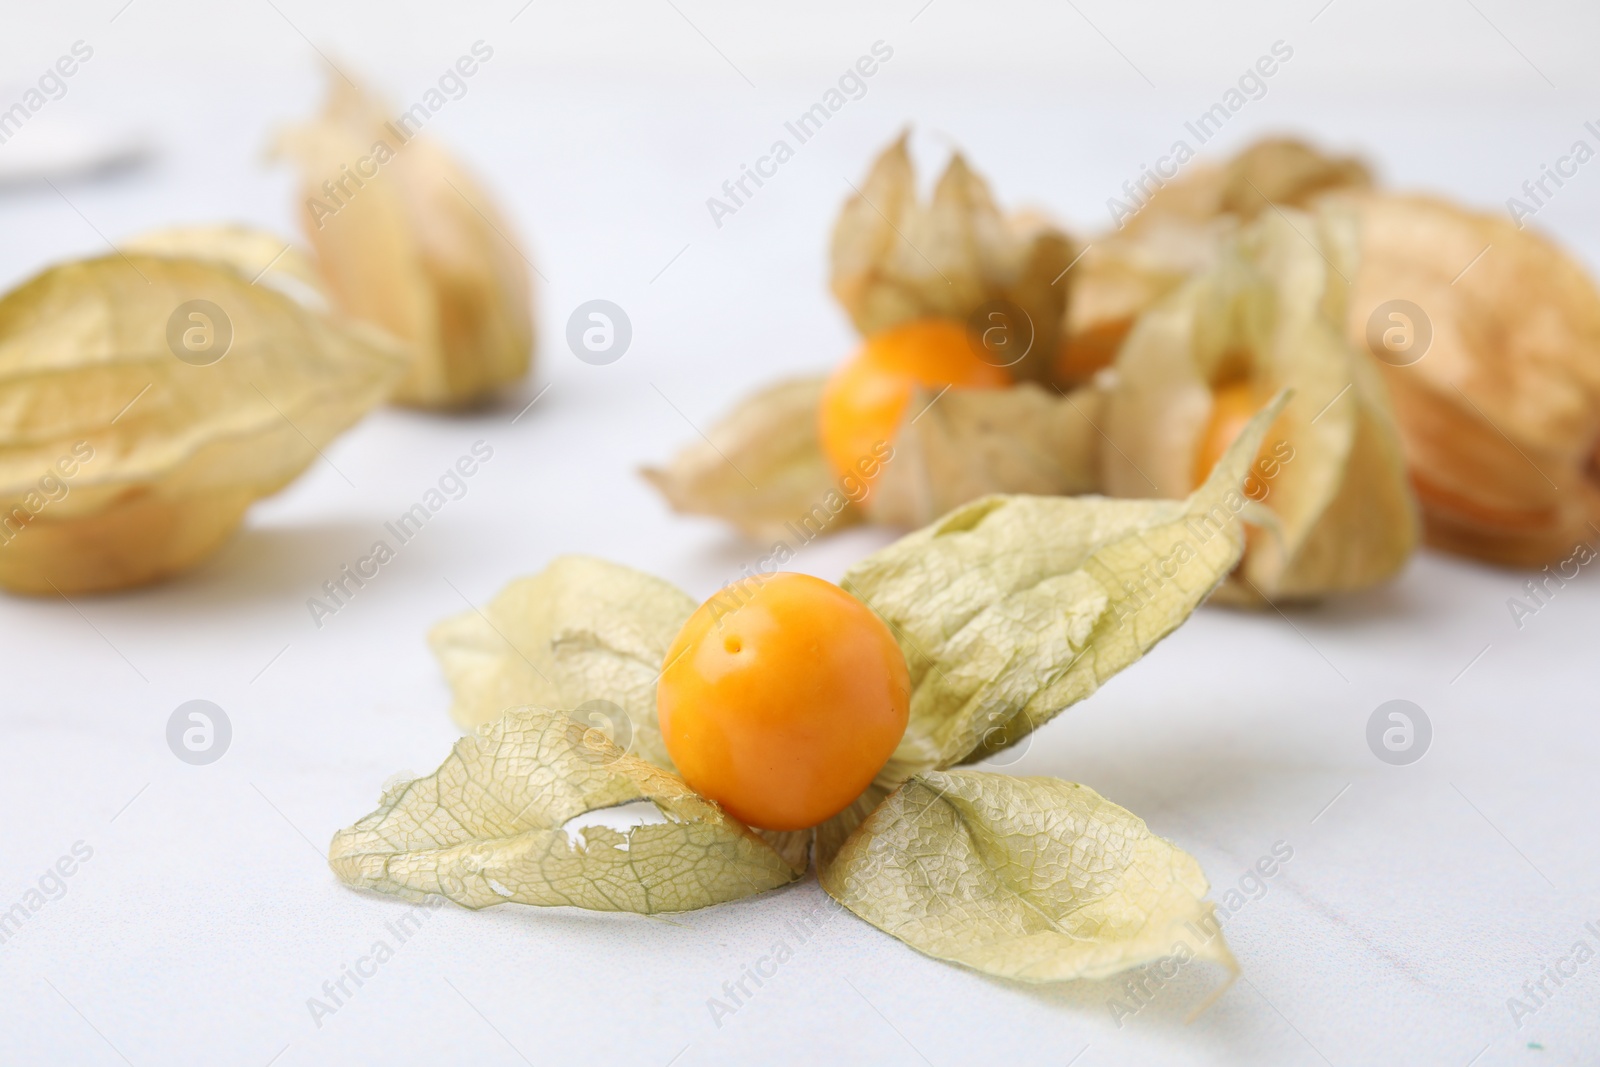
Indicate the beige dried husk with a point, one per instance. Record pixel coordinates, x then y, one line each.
264 258
969 443
1274 170
406 239
761 468
1501 414
1179 231
1270 315
120 463
896 258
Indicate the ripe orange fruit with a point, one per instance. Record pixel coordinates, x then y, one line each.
1232 407
783 700
866 397
1087 352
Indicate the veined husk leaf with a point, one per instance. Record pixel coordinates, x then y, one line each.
970 443
1011 609
1179 230
259 256
1270 316
895 258
1032 879
762 468
1008 610
486 828
950 449
164 455
581 630
1500 416
583 634
406 239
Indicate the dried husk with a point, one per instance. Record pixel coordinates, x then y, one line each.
164 456
1013 608
1032 879
1179 231
1271 316
895 258
406 239
970 443
1274 170
263 258
580 630
1120 275
1500 416
487 828
1008 611
761 468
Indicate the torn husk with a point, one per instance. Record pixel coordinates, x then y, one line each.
896 258
1488 337
1009 610
487 828
407 240
1269 316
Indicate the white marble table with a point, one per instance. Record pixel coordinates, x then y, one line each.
1417 898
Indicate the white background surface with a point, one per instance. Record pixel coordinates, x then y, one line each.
1413 907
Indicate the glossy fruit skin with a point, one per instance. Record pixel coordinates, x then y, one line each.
866 397
781 699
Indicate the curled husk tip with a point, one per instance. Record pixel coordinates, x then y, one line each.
895 257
